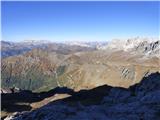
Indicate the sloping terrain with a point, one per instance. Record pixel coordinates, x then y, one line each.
79 67
37 68
138 102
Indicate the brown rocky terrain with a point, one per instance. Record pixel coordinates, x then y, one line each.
43 69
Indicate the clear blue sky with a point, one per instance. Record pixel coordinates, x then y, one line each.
86 21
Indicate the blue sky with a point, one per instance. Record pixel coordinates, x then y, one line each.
80 21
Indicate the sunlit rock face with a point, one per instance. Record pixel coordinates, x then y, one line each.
137 45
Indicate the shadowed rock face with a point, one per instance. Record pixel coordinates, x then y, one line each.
139 102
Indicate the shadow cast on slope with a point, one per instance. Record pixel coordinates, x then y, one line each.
86 97
20 101
94 96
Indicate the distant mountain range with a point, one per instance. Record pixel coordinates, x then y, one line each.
13 48
17 48
43 65
138 45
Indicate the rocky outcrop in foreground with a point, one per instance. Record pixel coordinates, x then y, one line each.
139 102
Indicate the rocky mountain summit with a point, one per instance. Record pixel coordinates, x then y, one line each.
152 48
138 45
138 102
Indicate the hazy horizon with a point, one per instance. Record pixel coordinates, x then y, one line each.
78 21
81 41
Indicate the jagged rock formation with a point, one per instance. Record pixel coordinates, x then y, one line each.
138 45
139 102
152 48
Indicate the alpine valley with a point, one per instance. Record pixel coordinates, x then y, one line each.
73 73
